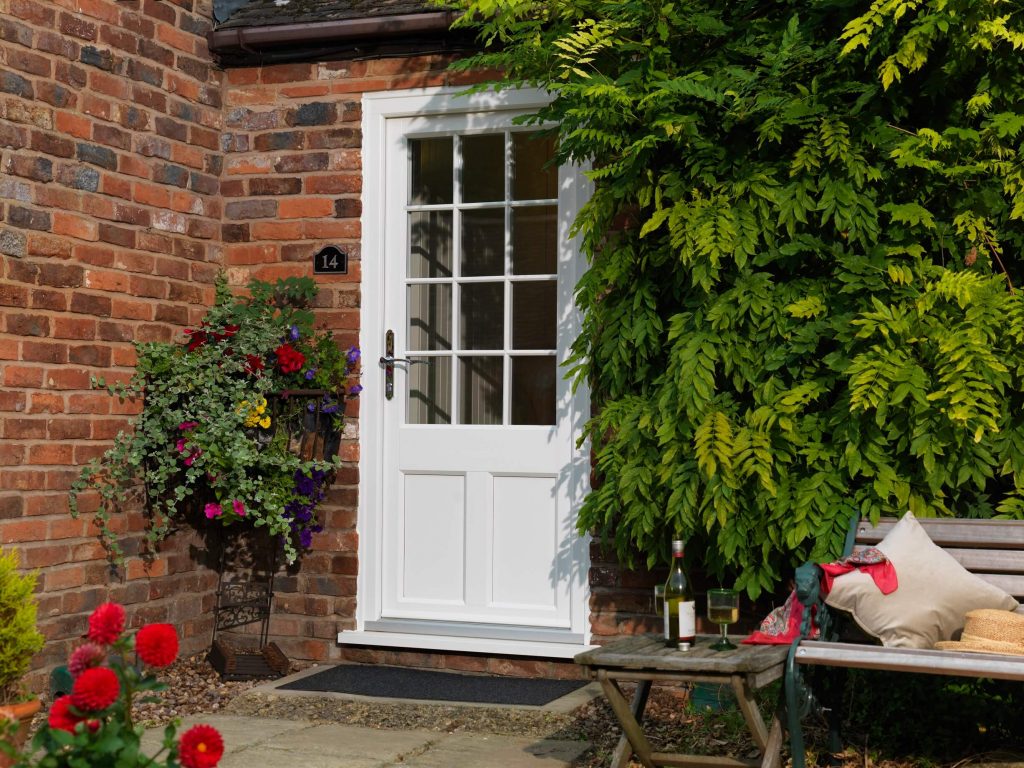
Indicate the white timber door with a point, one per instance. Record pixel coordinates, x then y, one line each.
471 543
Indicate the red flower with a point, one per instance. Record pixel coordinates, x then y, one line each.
253 364
61 717
106 623
229 331
196 338
289 359
201 747
95 689
84 657
157 644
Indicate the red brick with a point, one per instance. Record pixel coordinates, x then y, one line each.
50 453
66 429
46 403
44 352
22 479
22 376
75 226
74 328
89 404
22 530
69 577
305 208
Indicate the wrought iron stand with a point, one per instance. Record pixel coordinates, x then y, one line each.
247 600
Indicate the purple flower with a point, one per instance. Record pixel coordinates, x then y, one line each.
306 538
293 333
310 374
353 355
355 389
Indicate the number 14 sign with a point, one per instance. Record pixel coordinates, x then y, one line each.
330 260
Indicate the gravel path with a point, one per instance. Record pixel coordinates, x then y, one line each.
195 688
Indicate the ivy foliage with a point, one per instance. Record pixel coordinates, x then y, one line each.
804 241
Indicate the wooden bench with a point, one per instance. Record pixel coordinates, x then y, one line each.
990 549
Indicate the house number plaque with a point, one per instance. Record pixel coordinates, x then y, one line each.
330 260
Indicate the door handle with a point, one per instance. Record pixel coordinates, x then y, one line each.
388 360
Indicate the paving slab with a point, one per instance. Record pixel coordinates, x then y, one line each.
257 742
475 750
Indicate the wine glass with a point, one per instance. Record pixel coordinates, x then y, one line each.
723 610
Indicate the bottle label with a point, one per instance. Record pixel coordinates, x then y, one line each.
687 619
666 619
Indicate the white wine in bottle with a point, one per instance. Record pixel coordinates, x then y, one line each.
679 611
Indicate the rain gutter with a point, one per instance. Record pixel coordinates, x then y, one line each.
254 40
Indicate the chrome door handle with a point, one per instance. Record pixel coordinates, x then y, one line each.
389 360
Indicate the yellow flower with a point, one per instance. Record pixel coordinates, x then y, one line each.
254 413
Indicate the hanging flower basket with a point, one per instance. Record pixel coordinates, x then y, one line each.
240 424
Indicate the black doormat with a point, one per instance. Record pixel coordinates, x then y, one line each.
428 685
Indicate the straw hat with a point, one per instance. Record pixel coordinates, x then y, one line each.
988 630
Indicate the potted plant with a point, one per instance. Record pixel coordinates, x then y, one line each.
216 440
19 642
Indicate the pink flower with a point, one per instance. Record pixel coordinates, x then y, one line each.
190 459
238 508
180 445
84 657
212 510
187 425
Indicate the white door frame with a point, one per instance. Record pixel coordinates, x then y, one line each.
377 109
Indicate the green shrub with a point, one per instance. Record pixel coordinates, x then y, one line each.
925 716
805 248
19 638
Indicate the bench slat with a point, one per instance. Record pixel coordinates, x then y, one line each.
953 532
960 664
985 560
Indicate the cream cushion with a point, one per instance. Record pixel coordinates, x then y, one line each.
934 594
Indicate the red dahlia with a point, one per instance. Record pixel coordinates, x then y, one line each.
157 644
61 717
106 623
289 359
201 747
95 689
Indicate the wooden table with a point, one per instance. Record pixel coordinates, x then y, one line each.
645 659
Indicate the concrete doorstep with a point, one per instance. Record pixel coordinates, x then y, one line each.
256 742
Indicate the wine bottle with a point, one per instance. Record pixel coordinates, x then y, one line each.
679 610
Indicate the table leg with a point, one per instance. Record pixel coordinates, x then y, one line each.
745 698
630 715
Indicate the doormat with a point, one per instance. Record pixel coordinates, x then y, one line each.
430 685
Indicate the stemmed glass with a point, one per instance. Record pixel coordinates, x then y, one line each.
723 610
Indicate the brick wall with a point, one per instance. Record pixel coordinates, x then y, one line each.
292 182
110 121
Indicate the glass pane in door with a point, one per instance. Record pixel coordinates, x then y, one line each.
534 240
483 168
533 315
482 317
483 242
481 384
533 390
430 390
430 244
432 164
533 177
430 317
